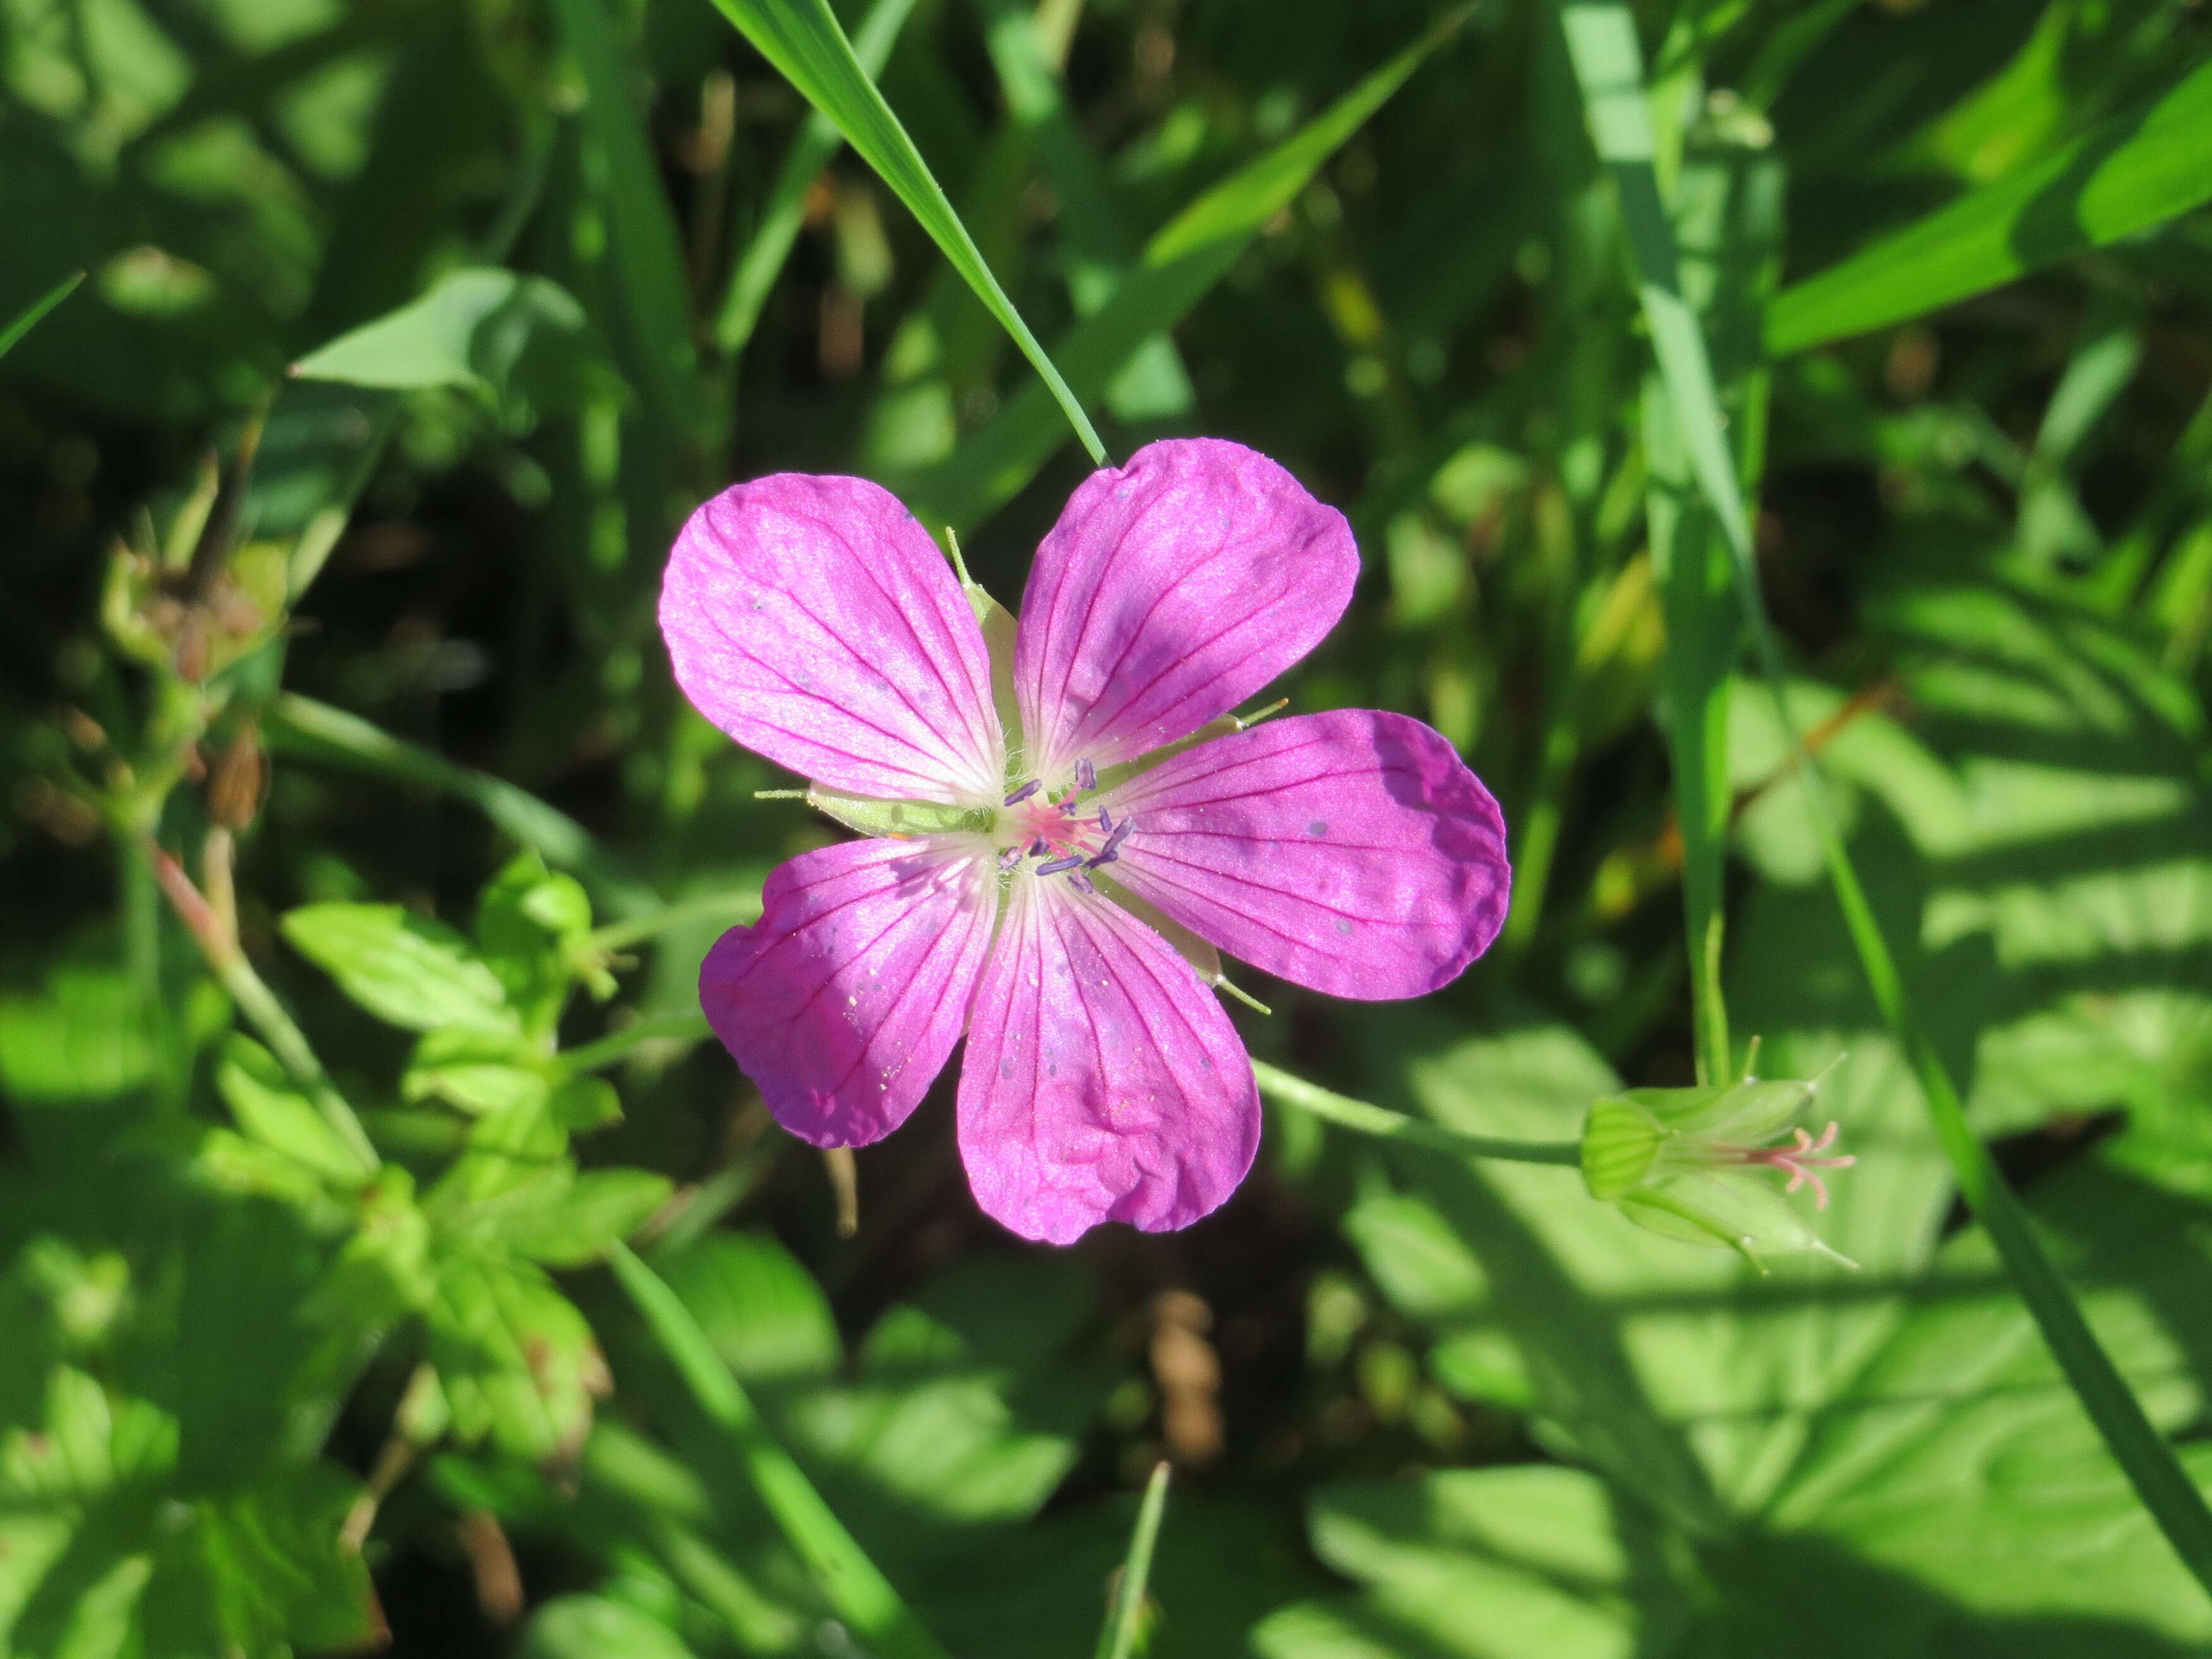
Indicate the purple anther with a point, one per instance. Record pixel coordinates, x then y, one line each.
1105 821
1058 865
1081 882
1025 792
1037 847
1114 842
1086 776
1010 857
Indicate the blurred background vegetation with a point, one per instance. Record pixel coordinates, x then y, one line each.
360 855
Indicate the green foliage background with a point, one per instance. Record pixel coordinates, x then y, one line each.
385 1258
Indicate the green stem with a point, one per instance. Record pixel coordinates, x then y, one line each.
1608 64
1119 1639
142 956
1384 1124
620 1045
728 908
259 1004
881 1623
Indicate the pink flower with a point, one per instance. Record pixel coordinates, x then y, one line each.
1069 828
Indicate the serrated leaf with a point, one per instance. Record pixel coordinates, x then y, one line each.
405 969
276 1112
519 1364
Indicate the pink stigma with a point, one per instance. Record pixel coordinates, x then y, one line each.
1798 1160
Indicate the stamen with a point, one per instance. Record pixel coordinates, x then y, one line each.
1037 847
1081 882
1120 833
1010 857
1086 776
1074 861
1025 792
1105 821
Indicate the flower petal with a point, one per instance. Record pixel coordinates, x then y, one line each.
814 621
1353 852
845 999
1102 1081
1170 591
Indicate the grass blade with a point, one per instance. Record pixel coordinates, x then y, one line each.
33 313
1179 264
2134 170
1608 64
1119 1639
817 141
314 730
648 253
860 1596
803 39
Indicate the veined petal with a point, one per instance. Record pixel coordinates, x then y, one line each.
1351 852
846 999
814 621
1170 592
1103 1082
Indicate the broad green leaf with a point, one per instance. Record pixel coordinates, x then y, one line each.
80 1040
405 969
491 333
518 1363
804 40
579 1220
1179 266
2135 170
480 1071
763 1312
593 1627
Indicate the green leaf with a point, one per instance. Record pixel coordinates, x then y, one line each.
405 970
273 1111
853 1586
1179 266
785 209
2134 170
647 248
480 1071
491 333
1608 60
578 1221
593 1627
760 1308
517 1360
803 39
300 725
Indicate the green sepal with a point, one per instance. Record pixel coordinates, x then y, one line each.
1621 1140
899 819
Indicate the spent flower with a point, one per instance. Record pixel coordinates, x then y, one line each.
1063 821
1700 1164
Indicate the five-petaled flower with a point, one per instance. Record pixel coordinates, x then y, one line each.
1066 819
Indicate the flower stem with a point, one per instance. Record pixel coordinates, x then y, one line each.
258 1003
1384 1124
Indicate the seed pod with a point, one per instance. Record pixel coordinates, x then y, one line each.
240 781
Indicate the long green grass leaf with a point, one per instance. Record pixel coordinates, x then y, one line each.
2134 170
1608 64
33 313
302 727
1182 262
1119 1639
817 141
862 1597
648 253
803 39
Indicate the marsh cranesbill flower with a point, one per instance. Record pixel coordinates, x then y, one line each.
1063 820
